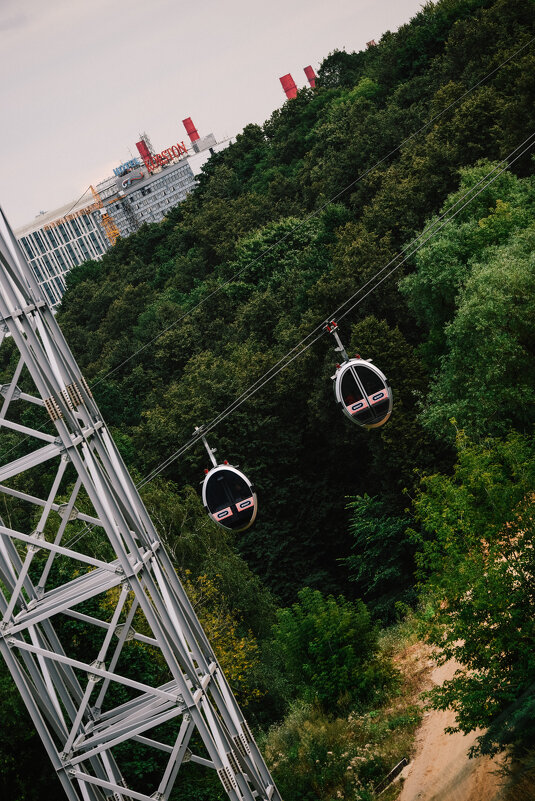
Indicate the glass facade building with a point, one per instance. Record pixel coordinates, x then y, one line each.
55 242
149 197
52 250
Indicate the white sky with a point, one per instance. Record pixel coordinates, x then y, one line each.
82 78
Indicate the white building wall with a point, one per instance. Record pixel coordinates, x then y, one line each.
149 200
52 252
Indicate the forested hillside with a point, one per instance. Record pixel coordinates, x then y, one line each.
399 149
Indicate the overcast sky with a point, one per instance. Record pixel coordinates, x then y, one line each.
81 80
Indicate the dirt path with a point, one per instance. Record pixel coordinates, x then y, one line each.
441 770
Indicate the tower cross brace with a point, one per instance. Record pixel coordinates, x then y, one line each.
118 585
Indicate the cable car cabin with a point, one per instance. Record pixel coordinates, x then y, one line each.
363 392
229 498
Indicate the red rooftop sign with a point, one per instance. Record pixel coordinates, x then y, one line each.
165 157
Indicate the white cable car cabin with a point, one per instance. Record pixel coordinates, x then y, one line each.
229 498
227 495
361 388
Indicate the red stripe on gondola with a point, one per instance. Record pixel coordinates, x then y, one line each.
223 513
246 504
355 408
377 397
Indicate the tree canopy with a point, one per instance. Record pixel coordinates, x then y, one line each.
371 198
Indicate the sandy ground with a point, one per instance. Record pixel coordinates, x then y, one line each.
440 769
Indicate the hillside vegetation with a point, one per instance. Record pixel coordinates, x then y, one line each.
428 520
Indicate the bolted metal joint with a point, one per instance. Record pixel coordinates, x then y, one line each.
227 779
5 388
52 407
85 386
247 732
233 762
37 536
130 634
92 676
67 398
75 395
241 744
62 511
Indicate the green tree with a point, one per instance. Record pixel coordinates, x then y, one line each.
446 262
477 566
25 770
381 563
328 649
487 378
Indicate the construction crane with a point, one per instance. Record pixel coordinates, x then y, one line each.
89 705
110 229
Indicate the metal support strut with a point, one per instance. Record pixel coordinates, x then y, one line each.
85 699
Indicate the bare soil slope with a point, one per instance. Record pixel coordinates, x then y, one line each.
440 769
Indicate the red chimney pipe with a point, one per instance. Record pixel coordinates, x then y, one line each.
311 75
288 84
143 150
191 130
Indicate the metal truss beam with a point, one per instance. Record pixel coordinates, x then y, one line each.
88 708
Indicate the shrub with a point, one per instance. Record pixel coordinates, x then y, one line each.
328 649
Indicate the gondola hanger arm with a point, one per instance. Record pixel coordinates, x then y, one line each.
211 451
332 328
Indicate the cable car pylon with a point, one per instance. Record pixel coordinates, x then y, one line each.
85 698
360 388
227 494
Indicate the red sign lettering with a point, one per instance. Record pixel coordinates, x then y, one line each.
166 156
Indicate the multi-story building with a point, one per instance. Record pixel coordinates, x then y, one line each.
57 241
141 190
139 196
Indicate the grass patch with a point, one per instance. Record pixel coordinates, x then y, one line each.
317 755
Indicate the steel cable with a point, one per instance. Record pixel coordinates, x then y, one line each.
314 213
407 252
296 227
285 361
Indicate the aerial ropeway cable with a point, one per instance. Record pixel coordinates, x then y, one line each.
366 398
301 223
343 310
320 208
231 502
360 387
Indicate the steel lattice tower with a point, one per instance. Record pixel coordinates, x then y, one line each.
47 570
